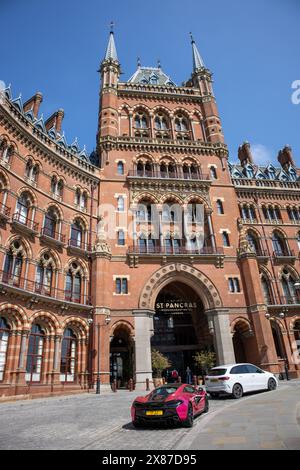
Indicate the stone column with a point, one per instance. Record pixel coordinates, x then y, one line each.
220 328
143 332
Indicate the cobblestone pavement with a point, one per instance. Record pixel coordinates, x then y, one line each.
89 421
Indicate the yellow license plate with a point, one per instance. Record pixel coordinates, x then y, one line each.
214 380
154 413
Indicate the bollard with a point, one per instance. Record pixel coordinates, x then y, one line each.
114 386
147 385
130 385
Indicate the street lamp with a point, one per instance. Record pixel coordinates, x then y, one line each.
98 325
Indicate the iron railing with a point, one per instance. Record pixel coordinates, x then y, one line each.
26 221
48 232
38 288
180 250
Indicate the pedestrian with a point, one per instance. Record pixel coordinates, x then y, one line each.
188 375
174 375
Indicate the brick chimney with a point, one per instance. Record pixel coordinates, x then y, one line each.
285 157
244 154
34 103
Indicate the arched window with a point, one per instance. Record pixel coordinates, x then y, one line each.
57 187
35 354
4 339
3 195
31 171
68 356
77 196
44 275
13 264
51 223
181 124
213 173
288 286
160 123
120 204
73 284
144 212
83 201
24 204
225 237
6 151
186 172
253 242
141 123
220 208
267 292
298 240
77 234
120 168
279 244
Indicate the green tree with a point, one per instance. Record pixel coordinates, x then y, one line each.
159 363
205 360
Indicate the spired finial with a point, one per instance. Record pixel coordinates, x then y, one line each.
159 63
112 24
191 36
139 62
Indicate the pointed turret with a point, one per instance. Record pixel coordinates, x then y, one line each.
197 59
111 51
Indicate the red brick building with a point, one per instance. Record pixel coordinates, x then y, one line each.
82 299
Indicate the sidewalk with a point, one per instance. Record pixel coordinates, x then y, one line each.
263 421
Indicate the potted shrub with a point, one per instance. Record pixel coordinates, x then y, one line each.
159 363
205 360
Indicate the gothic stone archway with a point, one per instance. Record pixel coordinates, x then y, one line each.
188 275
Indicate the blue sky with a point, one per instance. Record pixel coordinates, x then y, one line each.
252 47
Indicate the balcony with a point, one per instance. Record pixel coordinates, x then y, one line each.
78 247
262 255
290 300
164 175
4 212
284 256
25 224
17 284
54 238
207 254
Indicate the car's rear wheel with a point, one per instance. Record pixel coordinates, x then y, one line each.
188 423
136 424
272 385
237 391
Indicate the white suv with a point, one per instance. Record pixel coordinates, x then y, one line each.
236 379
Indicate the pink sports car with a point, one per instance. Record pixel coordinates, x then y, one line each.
171 404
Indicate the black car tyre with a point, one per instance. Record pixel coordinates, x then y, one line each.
136 424
206 407
188 423
214 394
237 391
272 385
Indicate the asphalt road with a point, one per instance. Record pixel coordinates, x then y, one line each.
89 421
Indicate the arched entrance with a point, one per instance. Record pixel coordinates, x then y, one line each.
241 338
278 340
121 357
180 326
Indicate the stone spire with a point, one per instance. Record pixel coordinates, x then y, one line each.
111 51
197 59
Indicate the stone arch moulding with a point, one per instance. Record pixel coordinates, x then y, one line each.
189 275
